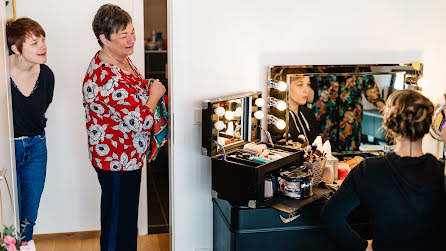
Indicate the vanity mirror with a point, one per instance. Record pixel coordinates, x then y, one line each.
338 102
230 121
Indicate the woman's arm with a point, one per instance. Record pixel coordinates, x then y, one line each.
369 245
338 208
156 91
50 87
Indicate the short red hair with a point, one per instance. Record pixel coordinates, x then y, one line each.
17 31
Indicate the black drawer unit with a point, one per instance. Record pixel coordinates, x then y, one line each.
266 228
243 182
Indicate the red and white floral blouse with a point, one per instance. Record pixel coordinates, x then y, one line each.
117 120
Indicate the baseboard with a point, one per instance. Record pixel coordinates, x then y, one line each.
67 236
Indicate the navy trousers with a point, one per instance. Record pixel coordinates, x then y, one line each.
119 209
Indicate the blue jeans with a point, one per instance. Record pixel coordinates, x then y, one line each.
31 159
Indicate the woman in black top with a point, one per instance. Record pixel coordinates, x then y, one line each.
32 85
302 120
403 190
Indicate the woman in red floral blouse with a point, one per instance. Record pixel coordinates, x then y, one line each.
126 122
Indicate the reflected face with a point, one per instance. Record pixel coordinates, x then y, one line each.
299 90
34 50
121 43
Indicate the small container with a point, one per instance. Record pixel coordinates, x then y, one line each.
331 160
318 166
328 174
296 183
269 185
343 170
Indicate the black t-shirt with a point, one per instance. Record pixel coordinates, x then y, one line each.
29 112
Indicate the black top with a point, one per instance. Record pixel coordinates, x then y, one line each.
405 197
302 123
29 112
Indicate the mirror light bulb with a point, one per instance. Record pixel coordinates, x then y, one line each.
281 86
280 124
259 102
281 105
278 104
219 125
259 115
220 111
422 83
229 115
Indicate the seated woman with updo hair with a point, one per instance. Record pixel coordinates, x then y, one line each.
403 191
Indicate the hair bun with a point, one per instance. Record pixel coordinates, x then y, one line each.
408 114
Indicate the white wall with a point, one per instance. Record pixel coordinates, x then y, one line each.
9 206
71 198
223 47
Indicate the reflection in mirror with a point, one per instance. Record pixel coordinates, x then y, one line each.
231 121
438 121
340 103
301 119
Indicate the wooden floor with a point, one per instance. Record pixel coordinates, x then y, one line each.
153 242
